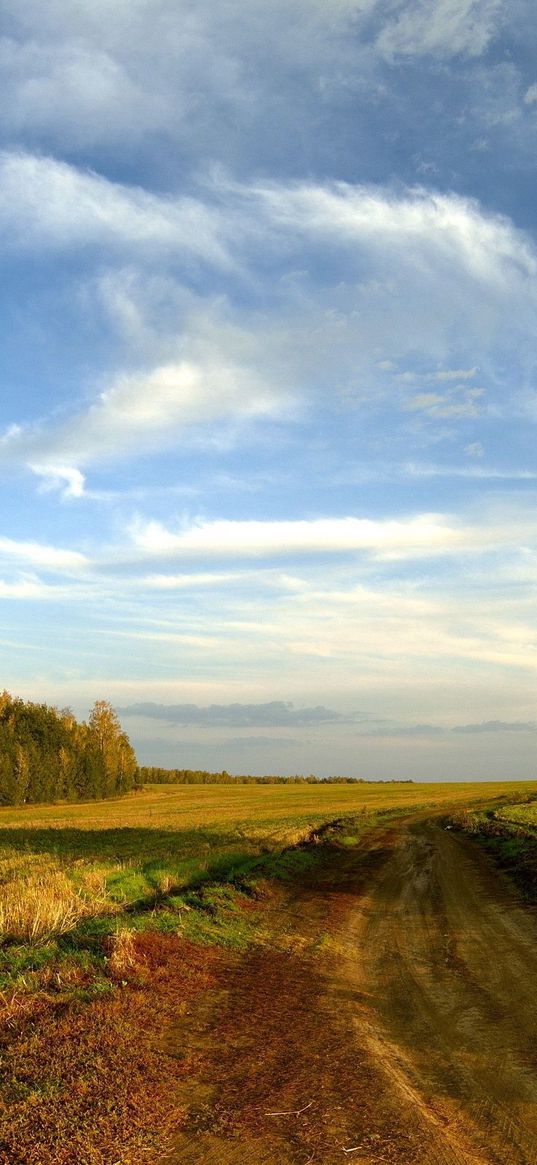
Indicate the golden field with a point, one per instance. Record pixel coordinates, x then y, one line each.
253 806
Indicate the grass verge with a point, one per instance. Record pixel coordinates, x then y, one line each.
509 834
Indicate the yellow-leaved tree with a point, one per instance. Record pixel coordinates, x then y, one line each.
119 765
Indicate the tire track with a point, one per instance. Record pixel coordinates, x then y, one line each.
450 963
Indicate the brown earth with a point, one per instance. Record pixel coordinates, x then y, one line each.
84 1082
391 1016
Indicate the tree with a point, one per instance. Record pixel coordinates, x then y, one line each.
21 775
46 755
117 755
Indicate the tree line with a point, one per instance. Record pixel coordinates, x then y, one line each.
47 755
156 776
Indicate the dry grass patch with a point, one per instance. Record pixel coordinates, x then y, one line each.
93 886
165 883
123 956
40 898
38 905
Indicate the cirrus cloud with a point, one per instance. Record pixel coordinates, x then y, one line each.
404 271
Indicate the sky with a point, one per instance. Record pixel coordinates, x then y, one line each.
268 362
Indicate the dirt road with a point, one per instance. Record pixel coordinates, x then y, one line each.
391 1017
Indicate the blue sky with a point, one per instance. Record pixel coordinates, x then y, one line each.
269 349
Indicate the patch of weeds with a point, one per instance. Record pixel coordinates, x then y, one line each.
20 959
90 934
177 903
509 847
126 885
55 969
98 987
226 929
288 865
16 1090
215 915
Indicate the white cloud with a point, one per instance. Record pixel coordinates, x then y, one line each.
46 557
46 203
182 393
180 582
427 534
474 449
26 589
101 74
71 89
359 635
140 413
416 469
457 404
440 28
97 75
419 226
356 630
411 634
438 375
454 374
530 96
69 481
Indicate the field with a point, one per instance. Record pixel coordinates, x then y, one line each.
116 918
257 807
67 867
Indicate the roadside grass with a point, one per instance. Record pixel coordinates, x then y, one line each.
65 916
509 834
84 1078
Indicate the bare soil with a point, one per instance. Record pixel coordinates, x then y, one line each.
390 1017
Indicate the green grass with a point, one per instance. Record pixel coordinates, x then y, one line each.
523 815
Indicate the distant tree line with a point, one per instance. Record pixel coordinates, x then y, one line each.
47 755
157 776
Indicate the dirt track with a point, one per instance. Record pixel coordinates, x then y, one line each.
396 1021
